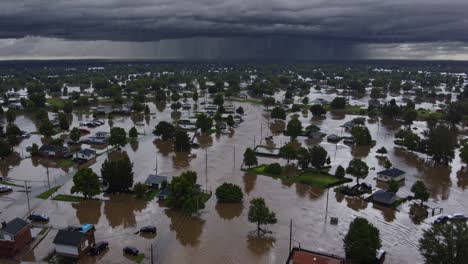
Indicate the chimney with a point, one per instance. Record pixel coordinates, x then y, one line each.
3 224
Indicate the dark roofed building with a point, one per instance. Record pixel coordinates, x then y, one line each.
383 197
391 174
86 154
302 256
155 181
162 195
52 150
74 241
14 236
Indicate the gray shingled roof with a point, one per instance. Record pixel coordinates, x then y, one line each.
69 238
155 179
393 172
14 226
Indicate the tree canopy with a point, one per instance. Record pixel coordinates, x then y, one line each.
250 159
362 241
420 192
229 193
117 173
184 193
118 137
85 181
260 214
358 169
294 128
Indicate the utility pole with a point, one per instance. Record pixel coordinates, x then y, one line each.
290 234
234 156
152 260
156 169
326 208
48 179
27 194
206 169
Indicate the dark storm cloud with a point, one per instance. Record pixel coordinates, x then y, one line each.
375 21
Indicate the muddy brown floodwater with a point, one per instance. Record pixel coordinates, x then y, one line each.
221 233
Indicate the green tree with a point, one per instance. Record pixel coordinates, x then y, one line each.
305 100
229 193
388 164
118 137
358 169
204 122
10 116
240 110
278 113
340 172
260 214
393 186
382 151
181 141
230 121
185 194
409 115
147 110
268 101
362 241
445 243
35 150
303 158
160 96
218 99
75 134
86 182
250 159
318 156
362 135
175 96
139 190
118 173
195 97
294 128
288 152
133 133
63 122
338 103
164 129
176 106
5 148
46 128
68 107
317 110
274 168
464 153
441 143
13 134
420 192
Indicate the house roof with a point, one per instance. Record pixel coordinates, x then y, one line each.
69 237
164 192
155 179
87 152
302 256
384 197
14 226
52 148
393 172
72 236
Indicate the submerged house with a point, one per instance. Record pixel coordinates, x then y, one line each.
391 174
303 256
14 236
74 241
86 154
383 197
52 150
162 195
155 181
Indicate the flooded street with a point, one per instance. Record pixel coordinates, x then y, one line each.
221 233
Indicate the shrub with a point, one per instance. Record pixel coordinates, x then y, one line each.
273 168
229 193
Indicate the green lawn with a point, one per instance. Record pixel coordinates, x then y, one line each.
311 177
10 183
65 164
56 102
349 109
68 198
149 196
140 258
45 195
247 100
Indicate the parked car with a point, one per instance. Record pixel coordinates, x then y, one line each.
5 189
68 155
98 248
460 217
148 229
131 251
441 219
38 217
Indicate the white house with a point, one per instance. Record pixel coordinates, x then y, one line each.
391 174
86 154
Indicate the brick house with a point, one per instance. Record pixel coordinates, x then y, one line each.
74 242
14 236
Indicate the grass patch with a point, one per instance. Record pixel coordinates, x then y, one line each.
2 182
55 102
68 198
140 258
65 164
45 195
317 178
149 196
349 109
205 197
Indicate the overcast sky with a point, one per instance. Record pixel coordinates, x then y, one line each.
229 29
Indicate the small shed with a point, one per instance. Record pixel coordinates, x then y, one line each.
155 181
383 197
74 241
86 154
391 174
14 236
162 195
